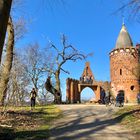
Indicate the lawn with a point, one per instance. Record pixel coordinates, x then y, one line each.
129 117
20 123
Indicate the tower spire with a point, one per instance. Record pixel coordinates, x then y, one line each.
123 20
124 39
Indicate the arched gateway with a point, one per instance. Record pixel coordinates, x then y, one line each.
75 87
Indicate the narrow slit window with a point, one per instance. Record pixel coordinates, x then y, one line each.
120 71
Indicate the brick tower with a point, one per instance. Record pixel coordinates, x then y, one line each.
124 71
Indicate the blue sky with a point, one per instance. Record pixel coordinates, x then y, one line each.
90 26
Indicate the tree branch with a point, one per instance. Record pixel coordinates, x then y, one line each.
65 71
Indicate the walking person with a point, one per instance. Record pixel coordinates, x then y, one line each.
102 96
107 97
33 95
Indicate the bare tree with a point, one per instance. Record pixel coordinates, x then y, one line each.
19 82
29 69
68 53
5 7
132 7
36 63
15 32
5 72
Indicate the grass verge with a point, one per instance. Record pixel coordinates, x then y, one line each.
20 123
129 117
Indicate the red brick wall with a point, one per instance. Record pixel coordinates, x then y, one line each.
123 67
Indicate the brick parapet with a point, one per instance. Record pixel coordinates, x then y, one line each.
126 50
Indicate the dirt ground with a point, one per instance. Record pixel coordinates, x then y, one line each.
89 122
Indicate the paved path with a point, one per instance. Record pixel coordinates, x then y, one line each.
88 122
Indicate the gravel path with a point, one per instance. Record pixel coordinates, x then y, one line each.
89 122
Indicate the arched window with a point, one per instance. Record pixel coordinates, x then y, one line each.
120 71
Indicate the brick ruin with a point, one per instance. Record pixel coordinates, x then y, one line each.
74 87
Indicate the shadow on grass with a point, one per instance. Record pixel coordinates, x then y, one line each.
26 113
9 134
123 115
6 133
32 135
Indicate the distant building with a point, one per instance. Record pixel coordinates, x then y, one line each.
124 70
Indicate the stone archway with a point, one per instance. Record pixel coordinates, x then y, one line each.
96 89
87 95
74 89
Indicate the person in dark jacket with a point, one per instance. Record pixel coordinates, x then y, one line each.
33 95
107 97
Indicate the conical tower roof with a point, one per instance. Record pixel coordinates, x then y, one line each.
124 40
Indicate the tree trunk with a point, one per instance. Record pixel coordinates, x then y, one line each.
58 96
57 74
5 6
54 91
5 73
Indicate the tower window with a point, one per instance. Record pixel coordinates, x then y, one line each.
120 71
132 87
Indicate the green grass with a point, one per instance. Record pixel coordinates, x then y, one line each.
129 116
28 125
